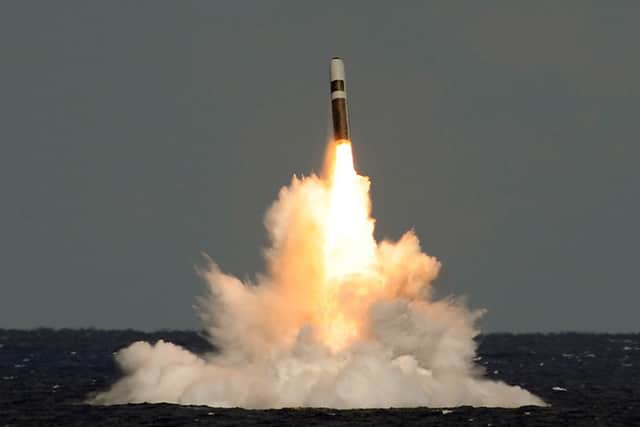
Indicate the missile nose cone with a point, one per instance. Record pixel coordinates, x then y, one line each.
337 69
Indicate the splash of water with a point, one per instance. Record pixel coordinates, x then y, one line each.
338 320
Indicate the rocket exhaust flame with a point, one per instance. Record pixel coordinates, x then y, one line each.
338 320
349 247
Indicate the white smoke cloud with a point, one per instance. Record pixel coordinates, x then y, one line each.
410 350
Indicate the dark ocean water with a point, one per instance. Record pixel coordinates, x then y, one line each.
588 379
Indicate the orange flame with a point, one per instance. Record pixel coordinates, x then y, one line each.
349 249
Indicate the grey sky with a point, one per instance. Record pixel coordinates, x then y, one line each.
136 135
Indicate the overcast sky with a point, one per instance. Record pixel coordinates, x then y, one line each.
137 135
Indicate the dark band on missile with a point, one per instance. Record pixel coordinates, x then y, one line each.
340 120
337 85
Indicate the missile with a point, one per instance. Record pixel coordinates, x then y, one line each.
339 101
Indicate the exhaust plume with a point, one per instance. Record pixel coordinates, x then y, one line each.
337 320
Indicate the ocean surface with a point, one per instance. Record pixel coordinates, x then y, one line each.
587 379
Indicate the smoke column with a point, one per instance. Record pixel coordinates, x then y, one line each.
337 320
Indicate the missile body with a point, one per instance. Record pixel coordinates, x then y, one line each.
339 101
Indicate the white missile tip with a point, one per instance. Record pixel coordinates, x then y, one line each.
337 69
